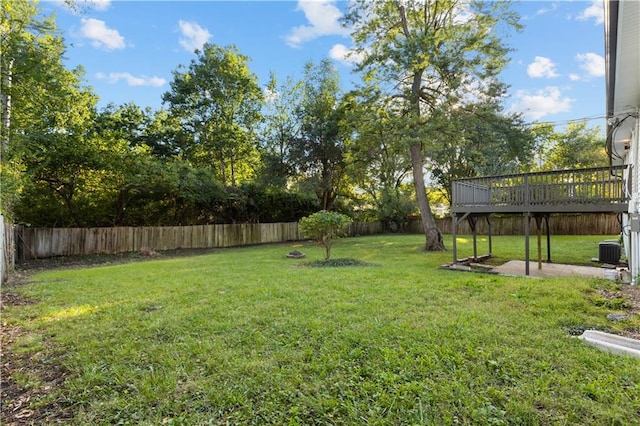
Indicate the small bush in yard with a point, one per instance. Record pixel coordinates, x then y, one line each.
324 227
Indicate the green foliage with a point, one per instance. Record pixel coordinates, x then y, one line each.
427 56
395 209
324 227
146 191
191 195
10 187
44 107
279 131
317 154
127 123
217 101
574 148
377 164
478 140
271 205
269 342
58 152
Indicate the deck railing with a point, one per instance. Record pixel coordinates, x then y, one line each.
593 189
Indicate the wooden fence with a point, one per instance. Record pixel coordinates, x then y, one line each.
33 243
48 242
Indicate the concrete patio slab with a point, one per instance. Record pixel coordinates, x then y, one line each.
549 270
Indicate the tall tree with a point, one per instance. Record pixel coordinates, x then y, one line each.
164 134
377 165
50 108
431 53
29 54
318 152
280 129
60 152
217 101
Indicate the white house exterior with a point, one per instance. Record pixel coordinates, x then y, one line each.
622 57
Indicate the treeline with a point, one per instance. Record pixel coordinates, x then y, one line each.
223 149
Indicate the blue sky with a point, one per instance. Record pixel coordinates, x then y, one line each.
130 48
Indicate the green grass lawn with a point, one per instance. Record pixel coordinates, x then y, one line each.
247 336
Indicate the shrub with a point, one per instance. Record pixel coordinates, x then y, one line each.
324 227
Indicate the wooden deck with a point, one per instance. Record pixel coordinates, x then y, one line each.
536 195
564 191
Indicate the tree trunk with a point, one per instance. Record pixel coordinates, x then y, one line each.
5 98
223 174
326 242
434 241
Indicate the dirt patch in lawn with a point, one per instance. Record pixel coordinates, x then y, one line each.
106 259
629 297
334 263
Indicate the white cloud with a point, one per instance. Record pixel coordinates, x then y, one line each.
193 35
342 53
574 77
132 80
544 11
592 63
324 19
595 11
100 35
543 102
542 67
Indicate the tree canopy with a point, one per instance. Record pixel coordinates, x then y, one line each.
217 101
577 146
317 154
430 56
224 149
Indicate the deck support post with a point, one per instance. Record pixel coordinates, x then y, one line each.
454 225
473 221
538 217
527 219
489 229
